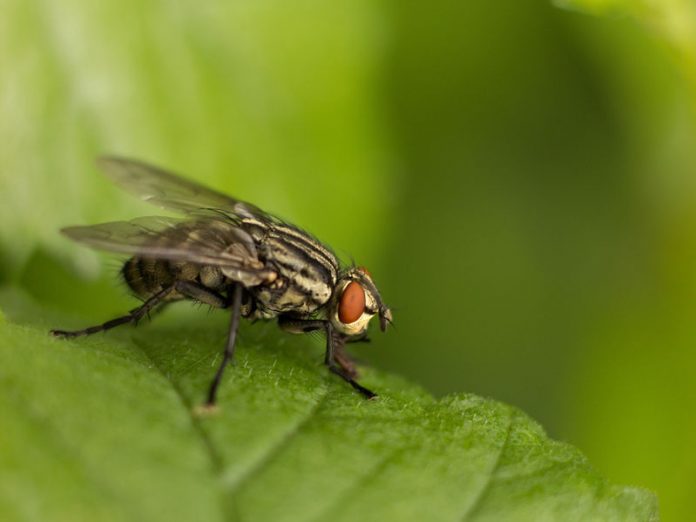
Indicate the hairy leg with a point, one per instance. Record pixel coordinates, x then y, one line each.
335 357
201 293
229 348
131 317
185 288
345 361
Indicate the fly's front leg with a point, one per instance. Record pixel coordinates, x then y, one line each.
132 317
334 353
229 348
335 358
345 361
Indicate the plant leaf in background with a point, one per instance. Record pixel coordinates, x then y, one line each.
644 349
102 429
673 20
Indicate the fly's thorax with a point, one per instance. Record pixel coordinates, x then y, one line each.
288 293
306 271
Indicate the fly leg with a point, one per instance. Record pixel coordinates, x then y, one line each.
201 293
132 317
185 288
345 361
229 348
335 357
334 354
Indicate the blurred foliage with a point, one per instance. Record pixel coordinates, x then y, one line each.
103 429
673 20
518 178
241 95
646 348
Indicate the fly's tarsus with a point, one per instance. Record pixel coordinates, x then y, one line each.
368 394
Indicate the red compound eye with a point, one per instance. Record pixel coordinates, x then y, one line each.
352 303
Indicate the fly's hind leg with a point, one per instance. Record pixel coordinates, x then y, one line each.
201 293
157 301
131 317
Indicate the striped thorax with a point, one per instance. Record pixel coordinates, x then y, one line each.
307 272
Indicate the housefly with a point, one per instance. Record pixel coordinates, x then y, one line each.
232 255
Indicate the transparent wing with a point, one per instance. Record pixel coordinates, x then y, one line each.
205 242
169 191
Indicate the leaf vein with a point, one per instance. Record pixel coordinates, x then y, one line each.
489 481
275 449
214 456
358 483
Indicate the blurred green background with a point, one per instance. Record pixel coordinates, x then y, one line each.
520 179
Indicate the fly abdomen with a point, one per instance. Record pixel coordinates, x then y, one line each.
146 276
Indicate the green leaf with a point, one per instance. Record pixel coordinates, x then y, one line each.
674 21
102 428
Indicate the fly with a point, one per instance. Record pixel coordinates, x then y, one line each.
232 255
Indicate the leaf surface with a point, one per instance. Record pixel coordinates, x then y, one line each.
103 428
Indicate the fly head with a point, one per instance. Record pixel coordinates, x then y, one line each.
356 301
